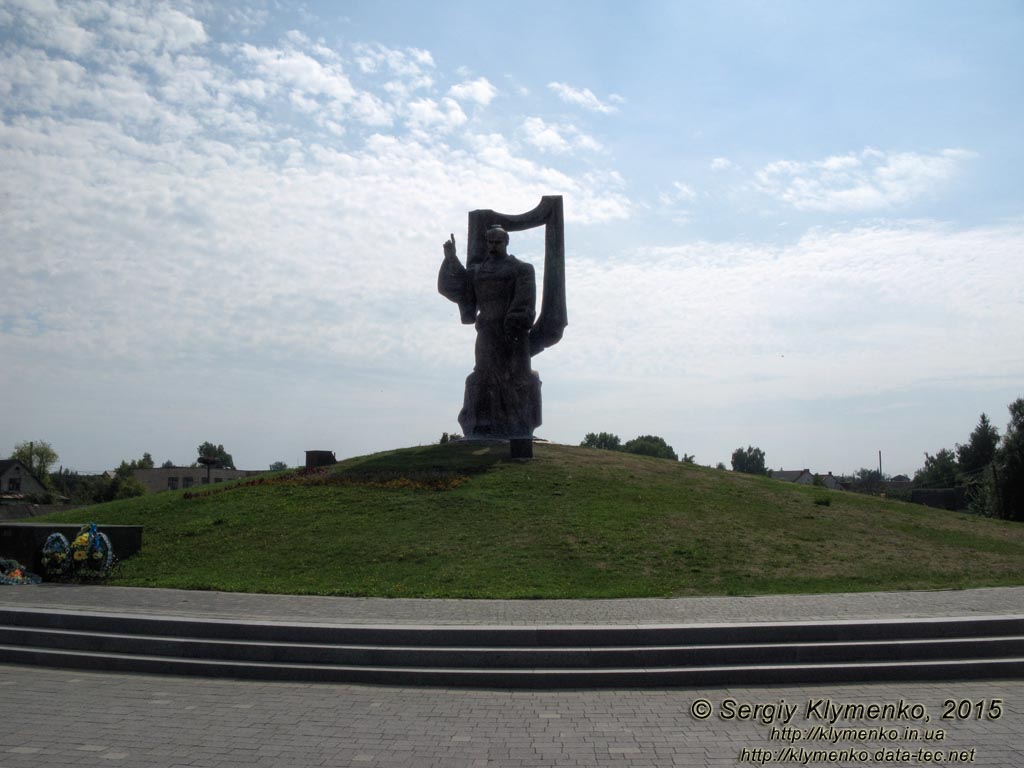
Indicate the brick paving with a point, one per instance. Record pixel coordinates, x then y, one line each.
71 718
52 717
358 610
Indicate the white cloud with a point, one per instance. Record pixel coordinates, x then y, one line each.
427 113
683 191
164 198
583 97
839 312
372 110
410 67
162 29
543 136
179 30
722 164
587 142
869 180
36 82
675 200
245 21
319 87
294 69
420 56
516 86
231 250
250 89
71 38
48 24
302 103
480 91
557 138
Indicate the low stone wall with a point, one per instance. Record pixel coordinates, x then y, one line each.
24 541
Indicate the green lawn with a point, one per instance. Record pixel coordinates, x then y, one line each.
461 520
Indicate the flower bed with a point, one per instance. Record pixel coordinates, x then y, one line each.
88 557
13 572
92 556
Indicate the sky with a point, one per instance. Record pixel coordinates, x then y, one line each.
792 225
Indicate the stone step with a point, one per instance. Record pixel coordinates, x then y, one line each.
519 657
512 656
520 636
547 678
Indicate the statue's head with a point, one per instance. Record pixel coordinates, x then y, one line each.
497 242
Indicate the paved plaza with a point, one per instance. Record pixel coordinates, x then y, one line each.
1003 601
53 717
71 718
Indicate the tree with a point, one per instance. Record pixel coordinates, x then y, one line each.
749 460
650 445
38 456
867 480
168 464
980 449
96 489
126 468
939 471
1010 466
604 440
79 489
210 451
125 488
277 466
688 458
720 465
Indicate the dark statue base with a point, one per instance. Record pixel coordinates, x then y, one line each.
496 406
521 448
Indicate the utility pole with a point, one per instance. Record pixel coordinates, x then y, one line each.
879 465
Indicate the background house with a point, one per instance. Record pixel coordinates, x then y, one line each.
17 480
798 476
173 478
899 483
829 481
805 477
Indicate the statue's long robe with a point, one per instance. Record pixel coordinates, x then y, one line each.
502 397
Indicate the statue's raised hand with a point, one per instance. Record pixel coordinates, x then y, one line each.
449 249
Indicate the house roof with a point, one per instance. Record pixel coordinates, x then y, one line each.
6 464
789 475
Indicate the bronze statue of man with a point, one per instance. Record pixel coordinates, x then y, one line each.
502 396
497 293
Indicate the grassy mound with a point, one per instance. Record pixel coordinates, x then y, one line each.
461 520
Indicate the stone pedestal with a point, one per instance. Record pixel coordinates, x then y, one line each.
521 447
320 459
